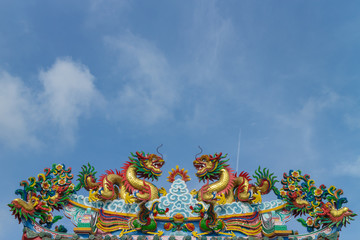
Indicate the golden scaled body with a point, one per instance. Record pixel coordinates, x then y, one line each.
206 192
338 213
21 204
146 189
243 194
226 185
300 202
110 187
114 186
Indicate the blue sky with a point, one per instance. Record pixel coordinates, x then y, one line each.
92 81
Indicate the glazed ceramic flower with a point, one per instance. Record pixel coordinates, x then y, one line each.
45 186
295 174
282 192
62 181
71 186
318 192
292 187
310 222
59 167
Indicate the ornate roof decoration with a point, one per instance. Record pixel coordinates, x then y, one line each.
177 172
126 205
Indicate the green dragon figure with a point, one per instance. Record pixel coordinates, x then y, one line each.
303 197
41 195
144 222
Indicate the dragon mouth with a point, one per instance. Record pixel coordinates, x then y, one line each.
158 164
199 166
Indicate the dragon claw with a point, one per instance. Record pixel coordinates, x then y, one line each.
129 199
257 197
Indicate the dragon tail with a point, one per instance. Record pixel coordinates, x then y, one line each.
265 181
87 178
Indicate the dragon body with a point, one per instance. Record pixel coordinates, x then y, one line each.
129 184
123 184
227 186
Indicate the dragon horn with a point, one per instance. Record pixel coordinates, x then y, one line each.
157 150
216 156
140 155
199 152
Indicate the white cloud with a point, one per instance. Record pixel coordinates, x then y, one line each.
153 88
18 113
150 92
348 168
212 36
69 92
303 121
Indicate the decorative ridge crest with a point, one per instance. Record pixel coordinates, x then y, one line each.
125 204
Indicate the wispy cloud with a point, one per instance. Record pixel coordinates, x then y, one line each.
153 88
348 168
211 37
303 121
69 93
18 113
150 92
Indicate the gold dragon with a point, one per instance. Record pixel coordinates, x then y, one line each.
128 184
227 186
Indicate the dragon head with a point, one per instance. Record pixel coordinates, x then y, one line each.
33 208
147 165
21 209
209 166
336 216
